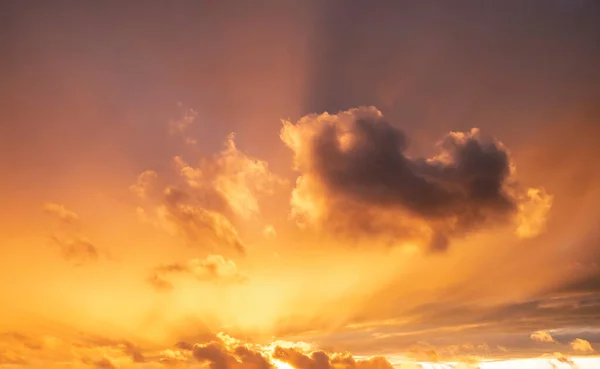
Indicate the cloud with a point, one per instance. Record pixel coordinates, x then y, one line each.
322 360
356 178
144 186
205 200
214 268
220 356
78 249
171 357
226 352
561 358
581 345
63 214
180 126
103 363
542 336
74 246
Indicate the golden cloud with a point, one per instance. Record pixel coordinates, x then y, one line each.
581 345
206 198
213 268
542 336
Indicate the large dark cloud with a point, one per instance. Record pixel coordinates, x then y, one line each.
355 161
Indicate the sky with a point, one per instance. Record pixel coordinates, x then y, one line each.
318 184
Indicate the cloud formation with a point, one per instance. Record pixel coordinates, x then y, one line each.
542 336
229 353
356 177
205 199
63 214
73 245
581 345
214 268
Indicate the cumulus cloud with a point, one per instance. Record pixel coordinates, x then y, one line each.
172 357
322 360
356 178
207 198
213 268
228 353
542 336
225 352
220 356
581 345
73 245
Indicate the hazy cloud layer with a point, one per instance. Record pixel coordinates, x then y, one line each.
357 178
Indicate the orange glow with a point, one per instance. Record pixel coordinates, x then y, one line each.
299 185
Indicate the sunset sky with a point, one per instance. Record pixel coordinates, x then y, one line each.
287 184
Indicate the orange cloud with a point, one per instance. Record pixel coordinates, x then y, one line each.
214 268
68 238
356 178
205 200
581 345
63 214
542 336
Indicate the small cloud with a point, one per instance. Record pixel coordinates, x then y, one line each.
144 185
213 268
542 336
79 249
68 238
63 214
181 125
581 345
